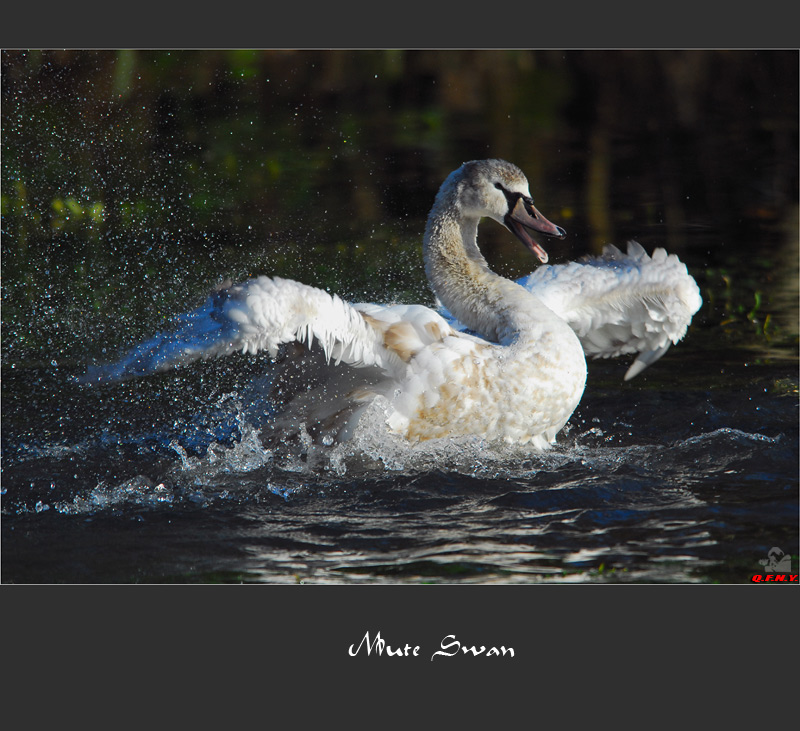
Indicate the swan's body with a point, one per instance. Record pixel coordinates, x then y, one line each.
518 378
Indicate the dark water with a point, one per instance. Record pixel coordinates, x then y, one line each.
656 483
322 167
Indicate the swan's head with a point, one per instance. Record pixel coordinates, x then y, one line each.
499 190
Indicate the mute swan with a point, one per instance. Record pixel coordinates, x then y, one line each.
503 361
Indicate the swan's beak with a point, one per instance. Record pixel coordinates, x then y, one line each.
524 216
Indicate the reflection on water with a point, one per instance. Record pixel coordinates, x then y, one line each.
132 183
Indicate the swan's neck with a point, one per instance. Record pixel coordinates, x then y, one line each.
494 307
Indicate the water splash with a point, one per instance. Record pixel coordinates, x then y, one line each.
139 491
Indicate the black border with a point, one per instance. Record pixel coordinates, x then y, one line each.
351 24
582 653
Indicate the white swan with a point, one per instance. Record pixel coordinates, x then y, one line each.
508 365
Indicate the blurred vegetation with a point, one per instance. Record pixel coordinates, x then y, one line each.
132 181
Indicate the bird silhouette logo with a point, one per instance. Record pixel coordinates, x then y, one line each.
776 562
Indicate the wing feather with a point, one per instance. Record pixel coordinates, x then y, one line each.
259 314
264 313
621 303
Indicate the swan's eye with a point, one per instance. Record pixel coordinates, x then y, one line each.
499 187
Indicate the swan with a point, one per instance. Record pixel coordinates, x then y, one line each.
501 360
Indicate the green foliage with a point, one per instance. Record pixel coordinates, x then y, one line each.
740 305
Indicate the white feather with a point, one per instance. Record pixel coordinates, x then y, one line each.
619 303
518 378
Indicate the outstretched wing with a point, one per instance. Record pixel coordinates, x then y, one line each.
621 303
259 314
264 313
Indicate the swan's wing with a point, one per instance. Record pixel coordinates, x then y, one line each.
621 303
263 313
618 303
259 314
